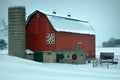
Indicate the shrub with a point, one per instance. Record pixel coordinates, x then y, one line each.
3 44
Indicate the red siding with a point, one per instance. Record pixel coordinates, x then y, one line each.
68 41
36 31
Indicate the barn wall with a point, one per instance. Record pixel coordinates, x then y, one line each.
68 41
49 57
36 30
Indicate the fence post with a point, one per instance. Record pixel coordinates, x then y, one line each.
93 63
96 63
107 64
101 61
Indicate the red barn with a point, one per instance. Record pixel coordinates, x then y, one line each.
48 33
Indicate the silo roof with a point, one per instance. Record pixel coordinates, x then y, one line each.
66 24
16 3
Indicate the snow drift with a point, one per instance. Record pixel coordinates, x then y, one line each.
14 68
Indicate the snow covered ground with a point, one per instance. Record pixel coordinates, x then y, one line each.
14 68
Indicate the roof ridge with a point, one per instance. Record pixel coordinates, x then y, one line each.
67 18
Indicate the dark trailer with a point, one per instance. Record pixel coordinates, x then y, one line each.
106 55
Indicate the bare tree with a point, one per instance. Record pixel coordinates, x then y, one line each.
112 42
4 24
3 33
3 44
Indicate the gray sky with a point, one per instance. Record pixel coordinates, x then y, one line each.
104 15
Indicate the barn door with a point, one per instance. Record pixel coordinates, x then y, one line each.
57 58
38 56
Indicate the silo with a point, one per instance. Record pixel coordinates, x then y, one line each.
16 31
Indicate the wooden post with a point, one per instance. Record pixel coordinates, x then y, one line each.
96 62
107 64
93 63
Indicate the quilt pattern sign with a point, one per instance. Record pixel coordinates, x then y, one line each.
50 38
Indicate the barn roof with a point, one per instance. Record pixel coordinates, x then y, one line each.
65 24
70 25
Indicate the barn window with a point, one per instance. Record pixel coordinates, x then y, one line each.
87 54
49 53
68 56
37 15
50 38
81 54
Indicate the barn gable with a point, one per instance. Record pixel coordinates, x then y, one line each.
39 33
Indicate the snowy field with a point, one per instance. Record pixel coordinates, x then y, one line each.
14 68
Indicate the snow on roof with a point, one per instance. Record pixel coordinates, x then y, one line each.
70 25
28 51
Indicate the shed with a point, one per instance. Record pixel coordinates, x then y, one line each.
29 54
73 57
